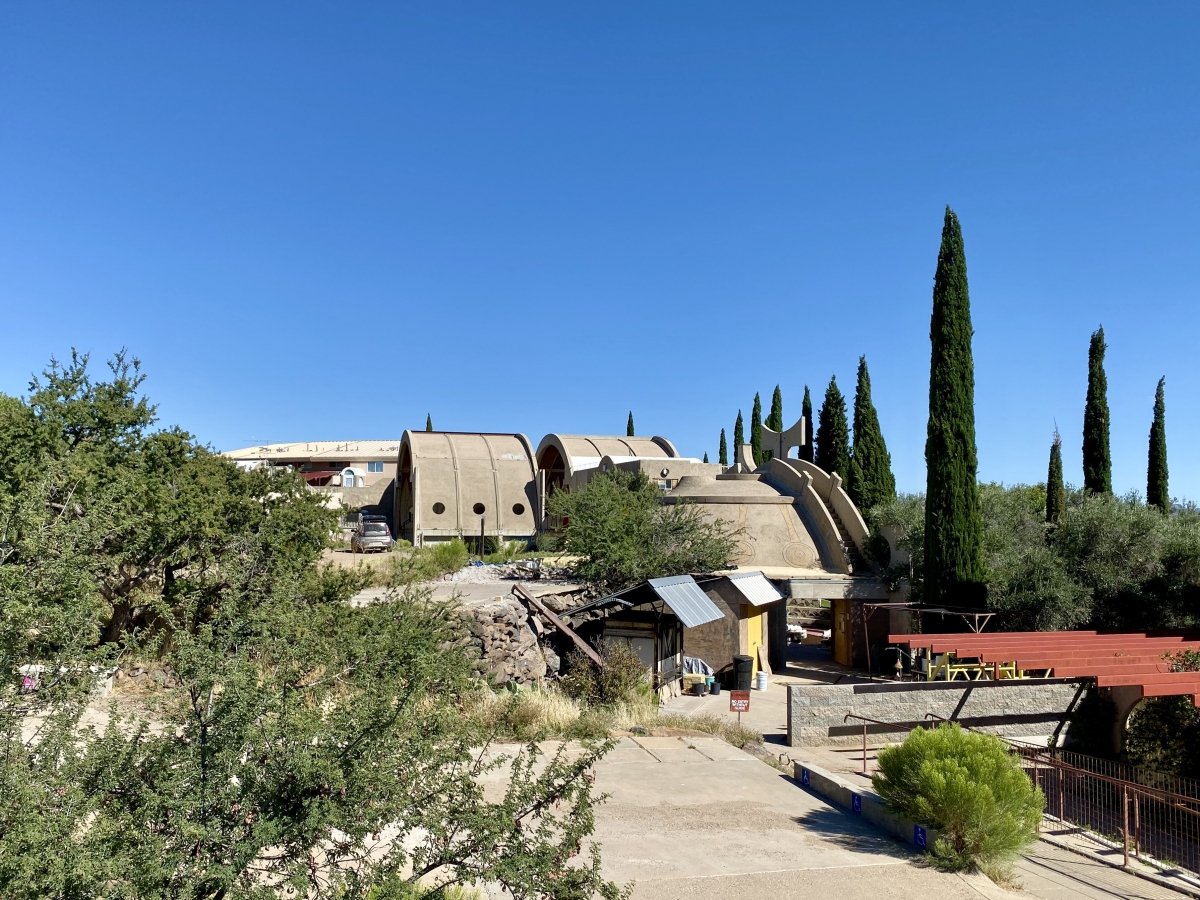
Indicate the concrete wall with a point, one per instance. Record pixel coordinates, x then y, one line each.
1030 709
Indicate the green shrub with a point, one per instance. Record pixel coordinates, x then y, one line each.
622 680
966 785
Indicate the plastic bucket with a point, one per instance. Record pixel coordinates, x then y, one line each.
760 681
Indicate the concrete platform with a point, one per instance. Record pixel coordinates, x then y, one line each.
694 817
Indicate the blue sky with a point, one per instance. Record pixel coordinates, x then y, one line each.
318 223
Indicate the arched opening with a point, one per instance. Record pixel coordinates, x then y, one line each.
405 514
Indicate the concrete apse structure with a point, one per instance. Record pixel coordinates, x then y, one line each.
457 484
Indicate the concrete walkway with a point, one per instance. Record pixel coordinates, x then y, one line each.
1048 870
694 817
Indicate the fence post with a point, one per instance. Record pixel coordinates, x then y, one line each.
1137 827
864 748
1125 822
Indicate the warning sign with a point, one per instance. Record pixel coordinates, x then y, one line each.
739 701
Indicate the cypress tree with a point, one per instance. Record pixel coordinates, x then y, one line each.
806 412
629 425
428 422
874 482
1097 460
706 456
1056 493
738 437
723 450
775 418
755 436
1156 472
954 569
833 434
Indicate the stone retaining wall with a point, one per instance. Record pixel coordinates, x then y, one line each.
508 650
1031 709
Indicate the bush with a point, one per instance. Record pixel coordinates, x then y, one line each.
966 785
623 680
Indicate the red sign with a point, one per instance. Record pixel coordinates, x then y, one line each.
739 701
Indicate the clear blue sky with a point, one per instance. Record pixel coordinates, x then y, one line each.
321 222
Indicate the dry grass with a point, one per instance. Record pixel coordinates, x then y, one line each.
545 713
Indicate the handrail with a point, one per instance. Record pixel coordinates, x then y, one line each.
865 722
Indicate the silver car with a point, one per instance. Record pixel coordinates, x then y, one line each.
372 536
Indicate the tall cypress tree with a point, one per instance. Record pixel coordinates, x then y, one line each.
755 431
629 425
833 434
775 417
1056 493
723 450
806 412
705 456
739 437
428 422
954 568
873 481
1097 459
1156 472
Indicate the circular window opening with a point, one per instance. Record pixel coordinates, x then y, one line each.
519 509
439 508
665 472
479 509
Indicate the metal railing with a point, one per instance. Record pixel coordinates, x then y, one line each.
1151 816
891 726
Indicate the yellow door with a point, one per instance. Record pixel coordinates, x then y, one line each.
754 636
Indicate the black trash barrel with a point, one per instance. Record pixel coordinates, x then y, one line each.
743 667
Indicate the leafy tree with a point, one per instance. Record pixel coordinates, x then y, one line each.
298 742
873 480
775 417
723 450
968 786
428 422
1157 493
833 434
624 533
1056 492
954 571
1029 584
806 412
1097 459
629 425
756 450
739 437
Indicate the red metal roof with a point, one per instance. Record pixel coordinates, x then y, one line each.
1133 659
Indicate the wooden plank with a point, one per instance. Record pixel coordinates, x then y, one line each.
1181 678
763 665
558 623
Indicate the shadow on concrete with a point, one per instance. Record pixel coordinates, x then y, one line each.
851 833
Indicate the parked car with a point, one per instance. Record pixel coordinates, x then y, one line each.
371 536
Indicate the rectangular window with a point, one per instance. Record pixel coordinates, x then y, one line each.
375 466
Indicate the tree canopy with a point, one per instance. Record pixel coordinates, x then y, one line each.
624 533
873 482
833 432
1097 457
954 572
295 741
1157 492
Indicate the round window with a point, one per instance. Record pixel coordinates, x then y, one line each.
439 508
479 509
519 509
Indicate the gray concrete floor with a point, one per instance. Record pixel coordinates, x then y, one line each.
694 817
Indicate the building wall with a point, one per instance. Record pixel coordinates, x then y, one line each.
1031 709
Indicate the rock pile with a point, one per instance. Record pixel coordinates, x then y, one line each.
508 649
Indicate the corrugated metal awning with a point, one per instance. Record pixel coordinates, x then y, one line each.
755 587
684 598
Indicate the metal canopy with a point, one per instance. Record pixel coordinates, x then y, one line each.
684 598
755 587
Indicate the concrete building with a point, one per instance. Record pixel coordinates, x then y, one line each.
459 484
354 474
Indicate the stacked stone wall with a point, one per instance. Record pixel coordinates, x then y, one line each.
1035 710
507 650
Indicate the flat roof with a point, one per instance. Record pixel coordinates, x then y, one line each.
317 450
